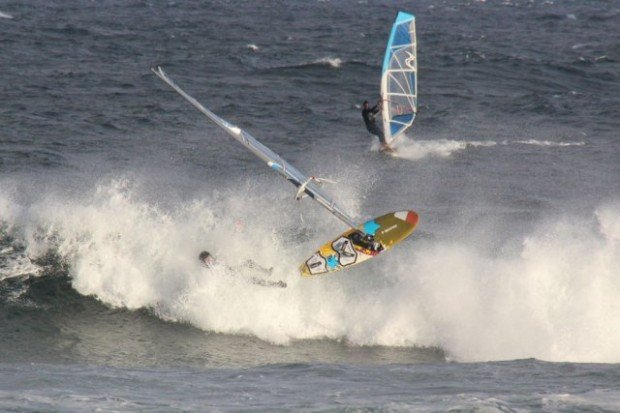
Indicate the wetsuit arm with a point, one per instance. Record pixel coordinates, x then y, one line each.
265 283
255 266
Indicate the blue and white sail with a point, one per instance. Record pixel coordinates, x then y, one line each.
399 79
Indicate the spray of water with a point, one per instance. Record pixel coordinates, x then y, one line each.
416 149
441 148
556 298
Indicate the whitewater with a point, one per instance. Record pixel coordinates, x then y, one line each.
549 294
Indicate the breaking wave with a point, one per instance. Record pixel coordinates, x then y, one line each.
553 298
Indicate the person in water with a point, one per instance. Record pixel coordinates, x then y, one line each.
209 261
369 114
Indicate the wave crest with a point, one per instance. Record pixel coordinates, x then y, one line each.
554 299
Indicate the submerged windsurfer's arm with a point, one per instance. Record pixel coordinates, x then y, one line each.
267 283
255 266
209 262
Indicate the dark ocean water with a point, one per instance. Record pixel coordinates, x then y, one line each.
504 299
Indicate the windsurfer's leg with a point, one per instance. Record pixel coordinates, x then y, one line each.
379 134
382 139
255 266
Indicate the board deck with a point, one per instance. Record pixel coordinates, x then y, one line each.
350 248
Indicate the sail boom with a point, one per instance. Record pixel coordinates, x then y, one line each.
399 122
402 94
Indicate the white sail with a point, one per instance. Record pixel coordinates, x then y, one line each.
399 79
272 159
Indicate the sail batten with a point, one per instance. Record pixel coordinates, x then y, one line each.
399 86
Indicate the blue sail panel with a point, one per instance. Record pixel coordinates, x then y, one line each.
399 123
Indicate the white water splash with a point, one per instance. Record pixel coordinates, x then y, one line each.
555 299
414 149
441 148
334 62
14 264
547 143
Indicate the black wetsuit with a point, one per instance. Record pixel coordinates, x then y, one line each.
369 119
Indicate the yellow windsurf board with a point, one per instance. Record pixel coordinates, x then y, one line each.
353 247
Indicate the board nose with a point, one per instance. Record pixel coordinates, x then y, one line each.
412 218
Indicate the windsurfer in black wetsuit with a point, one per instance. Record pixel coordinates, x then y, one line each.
369 114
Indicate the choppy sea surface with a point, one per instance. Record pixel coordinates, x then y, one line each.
506 298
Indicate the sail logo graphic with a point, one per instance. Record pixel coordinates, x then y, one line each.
410 60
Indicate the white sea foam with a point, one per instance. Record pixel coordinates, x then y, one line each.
5 15
548 143
16 264
554 299
334 62
414 149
